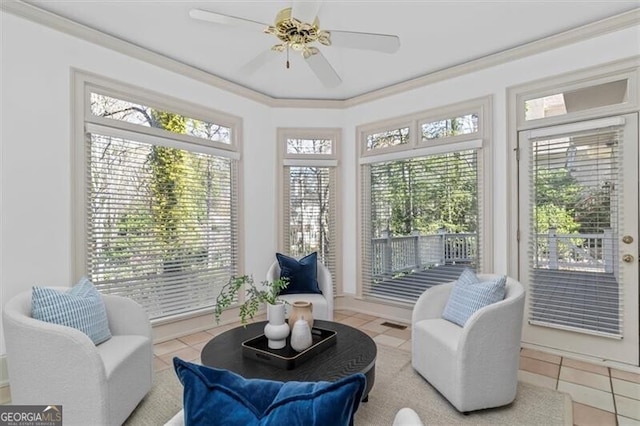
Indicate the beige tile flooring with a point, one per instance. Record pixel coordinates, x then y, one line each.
601 396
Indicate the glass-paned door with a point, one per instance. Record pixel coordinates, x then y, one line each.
578 203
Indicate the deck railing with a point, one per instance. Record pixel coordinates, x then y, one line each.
588 252
392 255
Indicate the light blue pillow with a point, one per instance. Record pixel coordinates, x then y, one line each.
81 307
215 396
469 295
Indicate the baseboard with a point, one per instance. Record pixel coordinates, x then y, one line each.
390 312
169 330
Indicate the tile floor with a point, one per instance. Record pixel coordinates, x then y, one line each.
601 396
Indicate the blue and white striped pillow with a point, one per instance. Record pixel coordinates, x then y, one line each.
469 294
81 307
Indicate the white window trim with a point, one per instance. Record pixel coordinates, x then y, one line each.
620 70
484 108
311 160
332 134
516 97
81 117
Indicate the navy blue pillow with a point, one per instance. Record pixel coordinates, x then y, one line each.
302 274
214 396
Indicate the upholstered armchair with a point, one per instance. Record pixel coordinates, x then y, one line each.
51 364
322 303
475 366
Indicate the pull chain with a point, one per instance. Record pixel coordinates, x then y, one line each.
287 56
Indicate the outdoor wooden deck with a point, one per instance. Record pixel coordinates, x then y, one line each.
590 297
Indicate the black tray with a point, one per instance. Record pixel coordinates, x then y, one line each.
286 358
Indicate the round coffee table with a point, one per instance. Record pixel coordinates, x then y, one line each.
354 352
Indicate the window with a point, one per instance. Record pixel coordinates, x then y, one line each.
388 138
309 195
160 202
422 208
449 127
575 185
585 98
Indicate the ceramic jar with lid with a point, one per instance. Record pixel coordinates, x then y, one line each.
300 309
301 337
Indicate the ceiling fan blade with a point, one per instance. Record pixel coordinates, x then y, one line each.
369 41
218 18
323 70
259 61
305 10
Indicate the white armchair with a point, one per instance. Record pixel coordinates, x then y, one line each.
51 364
475 366
322 303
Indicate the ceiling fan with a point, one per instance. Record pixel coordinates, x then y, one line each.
297 28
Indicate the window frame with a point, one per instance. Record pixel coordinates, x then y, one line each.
517 95
572 82
480 140
286 159
83 84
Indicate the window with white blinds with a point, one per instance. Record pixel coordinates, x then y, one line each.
575 190
309 194
420 223
161 205
423 206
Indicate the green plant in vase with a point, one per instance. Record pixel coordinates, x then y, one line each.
255 295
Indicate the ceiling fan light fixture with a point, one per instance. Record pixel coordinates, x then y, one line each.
297 35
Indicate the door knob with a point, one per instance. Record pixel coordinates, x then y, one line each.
627 239
627 258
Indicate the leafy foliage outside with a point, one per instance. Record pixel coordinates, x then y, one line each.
159 212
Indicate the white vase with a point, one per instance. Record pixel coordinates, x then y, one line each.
301 337
276 330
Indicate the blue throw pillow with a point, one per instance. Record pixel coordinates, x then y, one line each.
302 274
469 295
81 307
214 396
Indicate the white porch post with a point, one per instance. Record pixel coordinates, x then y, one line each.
443 238
553 249
386 253
607 245
416 248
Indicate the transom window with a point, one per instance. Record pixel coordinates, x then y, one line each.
462 125
387 138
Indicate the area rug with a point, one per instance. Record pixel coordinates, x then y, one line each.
397 385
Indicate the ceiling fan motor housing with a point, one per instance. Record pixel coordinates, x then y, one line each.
295 34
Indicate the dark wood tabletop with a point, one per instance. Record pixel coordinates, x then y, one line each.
354 352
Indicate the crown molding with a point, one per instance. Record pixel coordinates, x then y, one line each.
67 26
594 29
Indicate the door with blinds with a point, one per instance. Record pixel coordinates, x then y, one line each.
578 237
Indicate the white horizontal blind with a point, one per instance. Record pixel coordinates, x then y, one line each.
421 223
309 222
575 190
162 223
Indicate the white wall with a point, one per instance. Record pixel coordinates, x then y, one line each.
492 81
36 151
36 175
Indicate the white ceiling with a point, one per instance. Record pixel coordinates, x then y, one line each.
434 35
